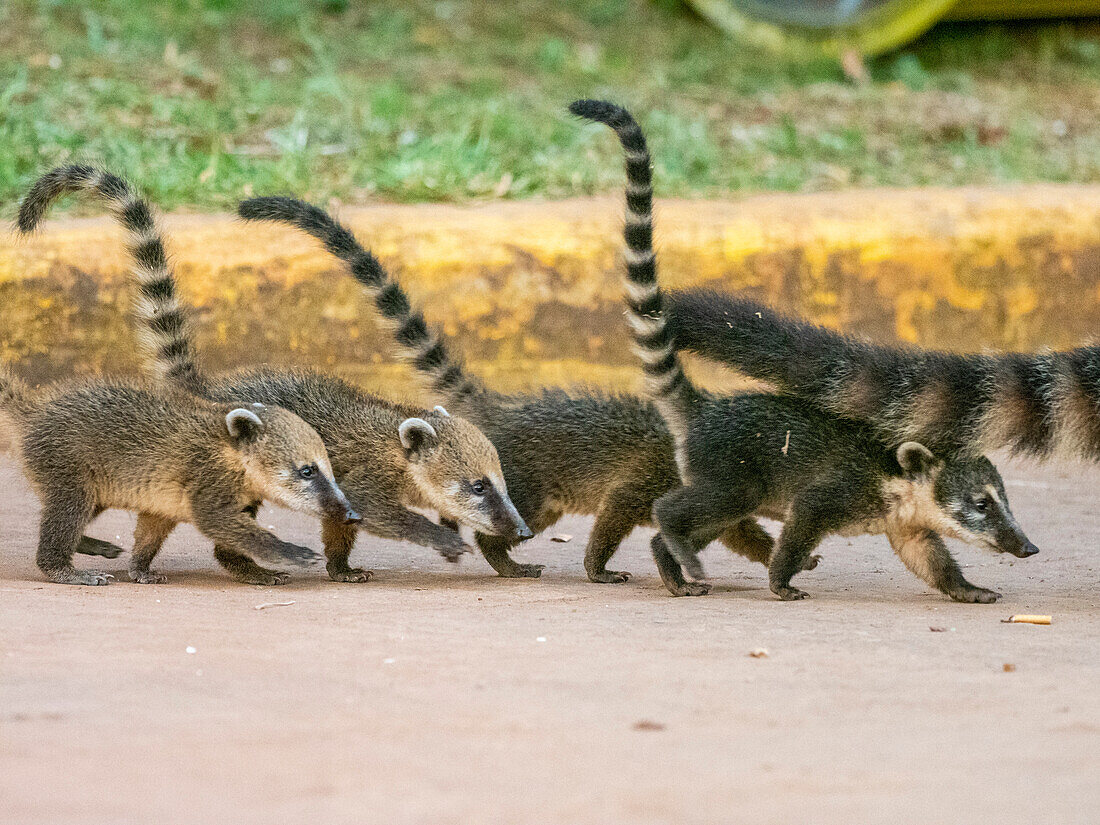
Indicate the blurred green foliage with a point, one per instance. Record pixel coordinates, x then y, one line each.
204 101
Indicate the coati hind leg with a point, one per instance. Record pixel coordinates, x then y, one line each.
816 512
244 569
149 536
339 539
924 553
622 510
671 573
686 514
66 511
747 538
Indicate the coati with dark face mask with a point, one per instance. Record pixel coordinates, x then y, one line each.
386 456
561 452
760 454
1044 404
87 446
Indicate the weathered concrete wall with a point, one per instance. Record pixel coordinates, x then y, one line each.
530 291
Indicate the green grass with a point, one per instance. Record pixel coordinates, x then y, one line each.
205 101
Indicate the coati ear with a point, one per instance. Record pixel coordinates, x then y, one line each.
243 425
916 459
417 435
441 411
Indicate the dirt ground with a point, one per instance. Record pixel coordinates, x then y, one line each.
440 694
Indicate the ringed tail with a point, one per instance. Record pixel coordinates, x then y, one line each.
163 327
420 345
665 380
1040 404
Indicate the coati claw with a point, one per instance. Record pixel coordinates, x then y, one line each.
147 577
266 578
690 589
70 575
609 577
351 574
977 595
790 594
811 562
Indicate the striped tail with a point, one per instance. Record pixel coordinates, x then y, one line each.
162 323
665 380
1037 404
420 346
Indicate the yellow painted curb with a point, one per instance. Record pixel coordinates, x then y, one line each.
530 291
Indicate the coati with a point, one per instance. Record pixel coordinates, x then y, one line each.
586 453
386 456
1040 404
761 454
90 445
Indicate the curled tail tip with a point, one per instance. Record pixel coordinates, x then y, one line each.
271 208
61 180
601 111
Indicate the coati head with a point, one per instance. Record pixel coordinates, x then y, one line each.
457 472
287 461
959 497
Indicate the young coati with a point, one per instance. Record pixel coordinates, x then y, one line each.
386 456
90 445
1039 404
759 454
583 453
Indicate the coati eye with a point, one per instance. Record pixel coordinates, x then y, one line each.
478 487
981 504
309 471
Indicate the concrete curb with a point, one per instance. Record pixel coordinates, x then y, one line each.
530 290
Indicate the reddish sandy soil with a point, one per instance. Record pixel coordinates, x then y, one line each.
440 694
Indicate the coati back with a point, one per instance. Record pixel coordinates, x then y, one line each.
1040 404
387 457
561 452
759 454
91 445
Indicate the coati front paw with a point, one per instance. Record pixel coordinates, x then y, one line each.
453 552
70 575
524 571
609 577
97 547
975 595
788 593
349 574
811 562
689 589
296 554
263 577
147 577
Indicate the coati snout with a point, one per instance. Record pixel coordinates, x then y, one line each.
287 460
970 495
458 472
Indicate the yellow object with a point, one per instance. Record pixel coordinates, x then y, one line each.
1027 618
869 28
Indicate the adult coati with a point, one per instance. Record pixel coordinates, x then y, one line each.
90 445
1040 404
386 456
761 454
581 452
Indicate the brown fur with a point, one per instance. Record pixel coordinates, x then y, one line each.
88 446
440 465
